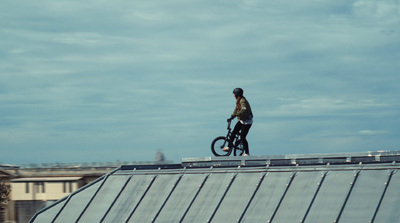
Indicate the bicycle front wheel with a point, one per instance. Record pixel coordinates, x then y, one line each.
217 146
239 150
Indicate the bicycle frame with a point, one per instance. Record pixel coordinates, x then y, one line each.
221 142
229 134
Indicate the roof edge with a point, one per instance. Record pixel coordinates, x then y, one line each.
295 159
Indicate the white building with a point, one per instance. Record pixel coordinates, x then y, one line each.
30 194
44 188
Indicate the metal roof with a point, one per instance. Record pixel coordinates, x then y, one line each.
352 187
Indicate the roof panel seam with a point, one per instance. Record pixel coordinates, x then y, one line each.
194 198
222 198
116 198
166 200
252 197
283 196
383 195
347 196
315 195
141 199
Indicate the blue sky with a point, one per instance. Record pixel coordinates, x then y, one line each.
97 81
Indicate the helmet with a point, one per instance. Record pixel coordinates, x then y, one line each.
238 91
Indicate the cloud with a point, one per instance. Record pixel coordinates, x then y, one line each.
373 132
388 10
124 79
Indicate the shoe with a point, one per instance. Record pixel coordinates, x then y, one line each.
245 154
226 149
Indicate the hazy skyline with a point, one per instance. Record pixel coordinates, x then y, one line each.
93 81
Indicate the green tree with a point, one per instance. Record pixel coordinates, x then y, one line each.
4 193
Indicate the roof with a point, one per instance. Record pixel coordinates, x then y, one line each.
46 179
4 173
8 166
352 187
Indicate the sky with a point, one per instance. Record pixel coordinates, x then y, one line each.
100 81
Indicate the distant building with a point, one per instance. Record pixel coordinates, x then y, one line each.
36 186
31 194
160 158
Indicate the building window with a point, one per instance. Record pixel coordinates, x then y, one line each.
39 187
67 187
27 187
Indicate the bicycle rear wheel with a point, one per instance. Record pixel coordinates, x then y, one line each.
238 150
217 146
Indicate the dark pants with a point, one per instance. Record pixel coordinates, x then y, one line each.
245 129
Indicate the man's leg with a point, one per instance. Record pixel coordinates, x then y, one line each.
245 130
235 131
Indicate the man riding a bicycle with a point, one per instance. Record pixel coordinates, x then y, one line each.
245 120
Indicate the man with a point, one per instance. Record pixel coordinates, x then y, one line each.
245 120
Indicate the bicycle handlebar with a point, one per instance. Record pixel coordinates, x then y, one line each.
229 124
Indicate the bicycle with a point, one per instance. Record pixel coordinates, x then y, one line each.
219 143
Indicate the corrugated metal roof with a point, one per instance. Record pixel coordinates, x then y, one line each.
344 188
